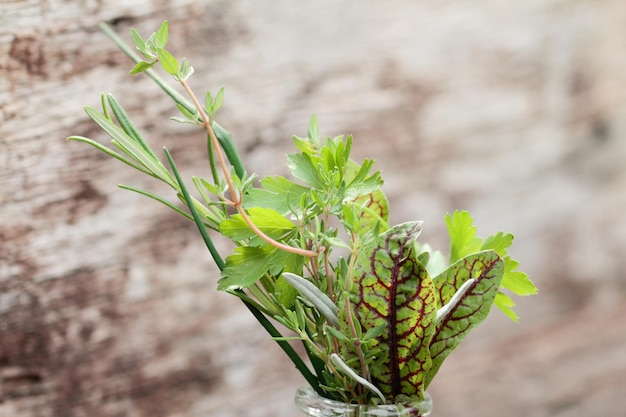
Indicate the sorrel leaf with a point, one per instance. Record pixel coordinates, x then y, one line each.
486 268
393 288
375 209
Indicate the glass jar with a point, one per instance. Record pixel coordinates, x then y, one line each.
314 405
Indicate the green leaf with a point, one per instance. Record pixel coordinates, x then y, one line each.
168 62
374 210
285 292
277 193
283 261
375 332
309 291
186 70
162 33
303 168
313 131
141 46
127 124
304 145
157 198
110 152
191 116
335 154
219 100
182 120
138 40
464 242
362 183
271 222
339 363
393 289
437 262
337 334
462 233
505 304
486 269
245 267
334 241
516 281
513 280
142 66
130 147
208 101
498 242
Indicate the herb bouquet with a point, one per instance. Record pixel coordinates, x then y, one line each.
377 310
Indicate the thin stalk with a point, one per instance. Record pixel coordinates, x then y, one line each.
329 278
234 194
196 217
206 123
357 342
211 156
269 240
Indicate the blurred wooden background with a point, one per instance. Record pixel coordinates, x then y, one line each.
515 111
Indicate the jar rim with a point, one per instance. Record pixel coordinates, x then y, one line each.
313 404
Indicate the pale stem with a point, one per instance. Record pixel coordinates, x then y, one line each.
329 278
266 238
236 198
357 342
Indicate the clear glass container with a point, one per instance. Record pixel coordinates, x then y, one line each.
314 405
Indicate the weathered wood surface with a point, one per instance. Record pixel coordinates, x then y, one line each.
515 111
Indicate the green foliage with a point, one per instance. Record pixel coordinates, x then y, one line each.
463 242
268 220
482 271
392 291
376 310
153 50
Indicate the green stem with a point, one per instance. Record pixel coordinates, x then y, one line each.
194 213
263 299
211 155
269 327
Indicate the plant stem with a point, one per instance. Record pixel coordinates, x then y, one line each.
211 156
206 123
269 240
357 342
194 213
234 194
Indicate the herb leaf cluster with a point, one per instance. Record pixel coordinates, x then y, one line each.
376 310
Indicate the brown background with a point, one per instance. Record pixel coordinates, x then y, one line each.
513 110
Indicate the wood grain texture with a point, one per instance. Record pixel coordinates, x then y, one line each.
515 112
